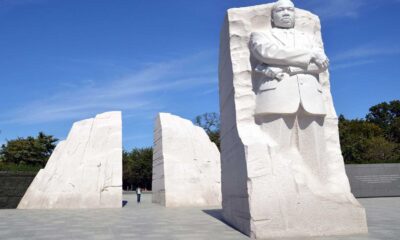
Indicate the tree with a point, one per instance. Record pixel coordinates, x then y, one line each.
394 130
211 124
365 142
30 150
137 168
386 116
380 150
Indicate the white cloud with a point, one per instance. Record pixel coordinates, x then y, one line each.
208 91
140 90
350 64
336 8
332 9
362 55
366 51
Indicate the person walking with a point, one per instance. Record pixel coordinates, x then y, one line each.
138 193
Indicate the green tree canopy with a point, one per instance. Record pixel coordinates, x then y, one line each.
137 168
365 142
387 116
30 150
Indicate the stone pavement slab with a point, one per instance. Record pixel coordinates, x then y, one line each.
151 221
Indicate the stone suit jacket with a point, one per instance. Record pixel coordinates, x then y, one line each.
300 84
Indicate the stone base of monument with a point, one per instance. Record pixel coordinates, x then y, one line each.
278 207
269 189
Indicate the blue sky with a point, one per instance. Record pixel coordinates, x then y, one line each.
66 60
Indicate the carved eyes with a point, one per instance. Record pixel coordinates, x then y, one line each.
281 9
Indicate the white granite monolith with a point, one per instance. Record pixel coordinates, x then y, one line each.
84 171
186 164
282 170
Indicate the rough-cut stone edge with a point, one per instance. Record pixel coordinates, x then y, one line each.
158 182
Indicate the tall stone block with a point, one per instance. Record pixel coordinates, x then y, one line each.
84 171
186 164
268 191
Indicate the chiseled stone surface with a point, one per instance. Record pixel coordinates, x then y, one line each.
84 171
268 191
186 164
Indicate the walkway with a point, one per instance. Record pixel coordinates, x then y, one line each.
150 221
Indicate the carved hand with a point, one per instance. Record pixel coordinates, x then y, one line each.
320 59
322 64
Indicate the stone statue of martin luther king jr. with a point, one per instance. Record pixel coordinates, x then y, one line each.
290 107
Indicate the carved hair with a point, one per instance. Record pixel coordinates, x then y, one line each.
280 2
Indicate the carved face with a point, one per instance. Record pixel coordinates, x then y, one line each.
283 15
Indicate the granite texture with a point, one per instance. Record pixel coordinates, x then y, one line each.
84 171
268 191
186 164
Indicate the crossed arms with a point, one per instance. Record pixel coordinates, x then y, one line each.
277 59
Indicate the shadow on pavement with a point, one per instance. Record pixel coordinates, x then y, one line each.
217 214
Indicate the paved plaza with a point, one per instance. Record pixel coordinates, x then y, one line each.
150 221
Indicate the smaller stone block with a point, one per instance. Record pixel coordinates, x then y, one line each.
84 171
186 164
